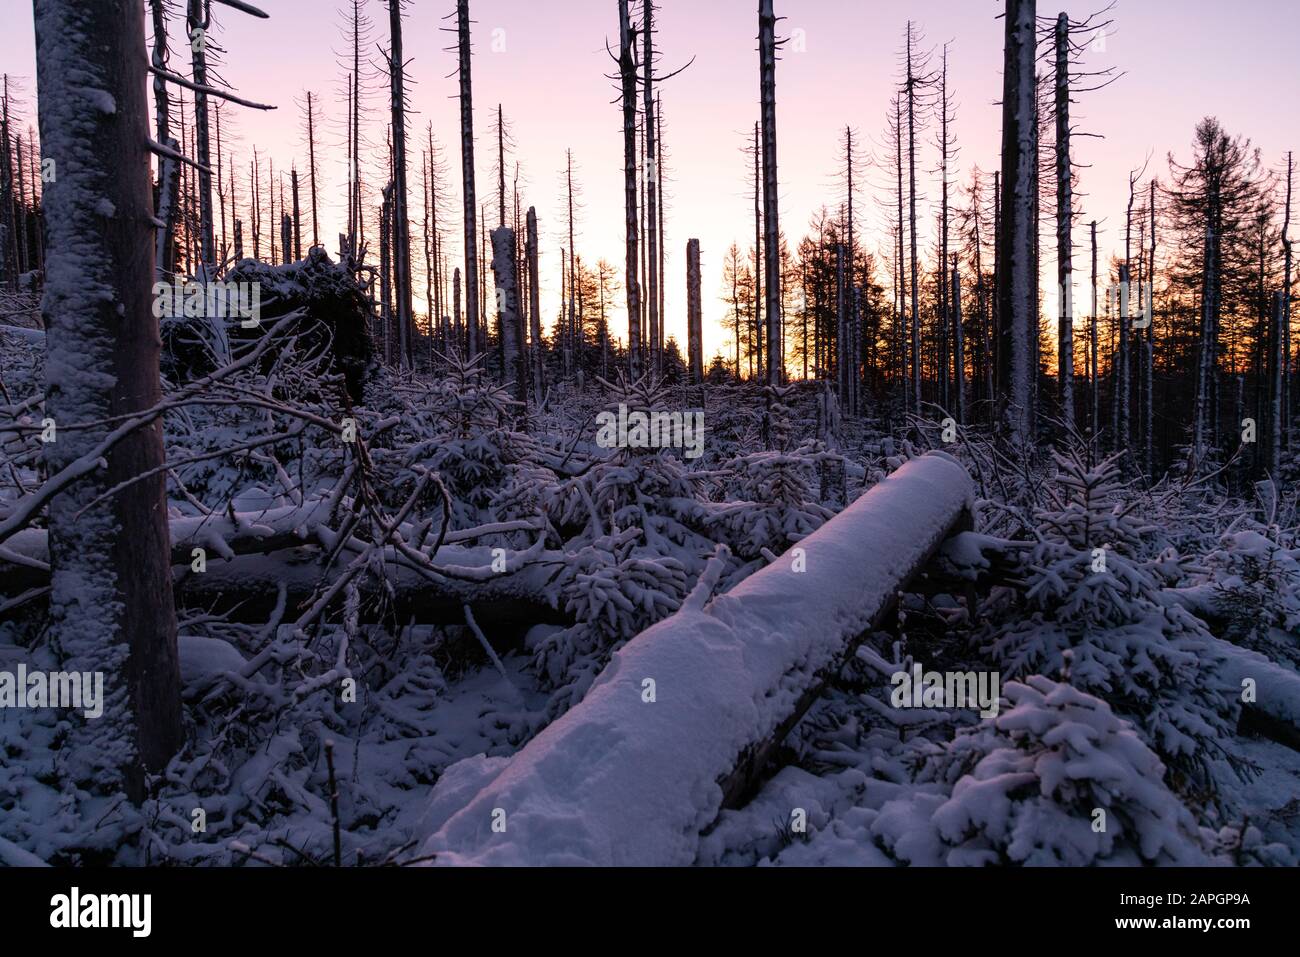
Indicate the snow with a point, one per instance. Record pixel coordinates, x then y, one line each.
620 780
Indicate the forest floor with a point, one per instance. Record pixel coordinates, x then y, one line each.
405 677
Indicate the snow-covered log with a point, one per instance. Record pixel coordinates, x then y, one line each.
249 555
686 711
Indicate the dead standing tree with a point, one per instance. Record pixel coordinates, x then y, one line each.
1068 40
626 60
400 224
111 607
471 278
767 47
1015 294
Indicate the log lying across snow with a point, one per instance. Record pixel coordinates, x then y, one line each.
252 554
625 780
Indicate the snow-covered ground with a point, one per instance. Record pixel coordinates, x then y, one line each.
1123 624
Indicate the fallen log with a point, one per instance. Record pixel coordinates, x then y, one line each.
249 555
686 712
246 589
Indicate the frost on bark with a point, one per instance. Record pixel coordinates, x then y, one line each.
771 232
694 314
111 601
1015 293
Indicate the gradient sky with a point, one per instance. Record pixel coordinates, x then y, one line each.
1182 60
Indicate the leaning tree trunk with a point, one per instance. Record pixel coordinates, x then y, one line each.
111 601
1064 212
627 73
467 175
771 241
1015 293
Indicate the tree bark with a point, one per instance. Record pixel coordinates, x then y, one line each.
1064 216
1015 294
473 345
694 313
627 73
771 242
111 606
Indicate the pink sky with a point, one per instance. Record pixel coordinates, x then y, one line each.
1183 60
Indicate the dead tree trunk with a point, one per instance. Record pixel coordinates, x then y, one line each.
168 181
627 74
959 344
651 184
401 220
508 317
771 245
535 307
197 22
694 313
473 344
1015 293
1064 215
111 606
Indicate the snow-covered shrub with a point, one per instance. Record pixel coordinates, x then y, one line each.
1257 592
1090 606
1058 779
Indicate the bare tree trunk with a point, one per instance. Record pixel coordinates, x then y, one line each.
1285 344
959 345
651 182
1277 361
168 181
1094 413
8 218
1064 216
912 81
311 168
535 307
627 73
297 217
401 221
694 312
197 22
509 322
455 307
467 175
1015 240
756 328
772 243
385 271
111 605
1148 346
